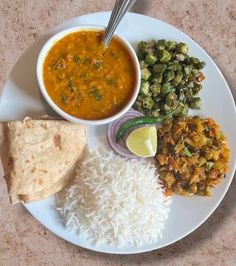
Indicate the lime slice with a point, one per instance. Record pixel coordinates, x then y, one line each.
143 141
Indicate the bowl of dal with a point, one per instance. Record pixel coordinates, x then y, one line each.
83 81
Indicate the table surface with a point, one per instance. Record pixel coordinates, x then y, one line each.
23 241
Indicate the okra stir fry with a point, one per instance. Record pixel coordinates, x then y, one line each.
169 77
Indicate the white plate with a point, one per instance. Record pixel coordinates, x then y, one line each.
21 97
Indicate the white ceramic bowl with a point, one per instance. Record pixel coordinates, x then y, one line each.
40 62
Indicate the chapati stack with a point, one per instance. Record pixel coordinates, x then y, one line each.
39 157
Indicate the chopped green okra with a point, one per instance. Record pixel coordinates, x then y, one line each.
161 44
143 46
181 97
180 57
170 77
196 88
158 68
164 56
194 60
170 98
157 77
182 48
196 103
178 78
170 45
189 94
195 71
150 59
200 65
156 88
142 64
174 66
148 102
145 74
187 70
145 88
183 111
166 88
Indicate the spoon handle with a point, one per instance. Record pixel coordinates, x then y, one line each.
121 7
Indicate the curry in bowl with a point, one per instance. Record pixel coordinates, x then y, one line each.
86 80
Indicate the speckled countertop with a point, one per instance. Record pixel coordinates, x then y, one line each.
23 241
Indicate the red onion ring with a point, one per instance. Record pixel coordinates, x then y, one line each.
120 147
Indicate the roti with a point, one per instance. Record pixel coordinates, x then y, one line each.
39 157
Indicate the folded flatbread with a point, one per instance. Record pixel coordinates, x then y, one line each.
39 157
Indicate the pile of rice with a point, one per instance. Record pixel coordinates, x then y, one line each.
114 201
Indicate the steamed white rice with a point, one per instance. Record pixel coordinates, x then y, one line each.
114 200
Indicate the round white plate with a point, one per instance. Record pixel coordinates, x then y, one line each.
21 97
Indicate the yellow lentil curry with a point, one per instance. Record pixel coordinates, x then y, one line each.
86 80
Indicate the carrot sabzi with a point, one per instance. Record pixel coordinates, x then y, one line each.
192 155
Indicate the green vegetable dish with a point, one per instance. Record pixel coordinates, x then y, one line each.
169 77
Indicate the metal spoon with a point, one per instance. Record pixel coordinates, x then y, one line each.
120 8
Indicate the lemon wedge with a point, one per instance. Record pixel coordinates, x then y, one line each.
143 141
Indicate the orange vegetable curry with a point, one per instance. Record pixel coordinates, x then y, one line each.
87 81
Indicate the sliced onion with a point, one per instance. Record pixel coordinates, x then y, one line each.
121 147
